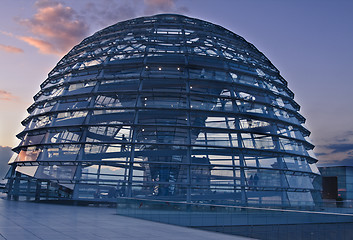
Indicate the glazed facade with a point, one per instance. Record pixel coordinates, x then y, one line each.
165 107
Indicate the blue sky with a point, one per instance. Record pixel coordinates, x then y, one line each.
309 41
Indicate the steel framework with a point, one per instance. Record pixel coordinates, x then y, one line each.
166 107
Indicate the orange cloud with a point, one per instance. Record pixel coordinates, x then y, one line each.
56 28
10 49
6 96
43 46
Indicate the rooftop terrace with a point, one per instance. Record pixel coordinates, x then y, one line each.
33 221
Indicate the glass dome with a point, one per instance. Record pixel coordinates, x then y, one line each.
165 107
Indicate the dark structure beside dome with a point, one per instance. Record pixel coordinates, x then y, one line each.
165 107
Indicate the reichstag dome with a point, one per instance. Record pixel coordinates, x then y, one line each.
165 107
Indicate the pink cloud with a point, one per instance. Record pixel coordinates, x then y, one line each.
7 33
43 46
10 49
56 28
6 96
161 3
163 6
155 6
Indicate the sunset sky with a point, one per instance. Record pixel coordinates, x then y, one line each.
309 41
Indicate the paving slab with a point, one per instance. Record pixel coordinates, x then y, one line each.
34 221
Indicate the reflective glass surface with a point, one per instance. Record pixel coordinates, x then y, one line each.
168 107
